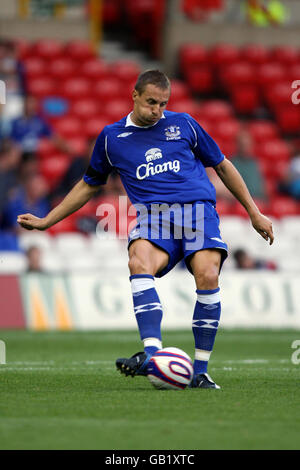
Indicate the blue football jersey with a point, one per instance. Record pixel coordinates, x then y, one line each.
162 163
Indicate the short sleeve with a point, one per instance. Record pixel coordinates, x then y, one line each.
204 147
100 167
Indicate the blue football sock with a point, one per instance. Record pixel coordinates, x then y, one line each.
205 326
148 311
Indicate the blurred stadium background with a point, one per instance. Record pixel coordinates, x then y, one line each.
69 68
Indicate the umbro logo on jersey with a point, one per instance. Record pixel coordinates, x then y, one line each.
125 134
173 133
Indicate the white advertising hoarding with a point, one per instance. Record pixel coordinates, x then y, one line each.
252 299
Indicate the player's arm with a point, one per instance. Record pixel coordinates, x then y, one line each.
235 183
76 198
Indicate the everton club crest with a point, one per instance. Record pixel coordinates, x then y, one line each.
173 133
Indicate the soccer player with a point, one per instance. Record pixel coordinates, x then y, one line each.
161 158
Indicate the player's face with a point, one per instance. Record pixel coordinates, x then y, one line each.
149 105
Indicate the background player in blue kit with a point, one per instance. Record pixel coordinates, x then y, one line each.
161 158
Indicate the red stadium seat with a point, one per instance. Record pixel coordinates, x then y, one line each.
215 110
85 108
111 12
239 73
224 133
224 207
92 127
125 71
35 67
68 126
185 106
46 148
41 87
294 72
179 90
200 79
274 170
228 147
288 118
255 54
198 10
117 109
239 210
79 50
23 48
78 145
245 98
227 130
262 130
205 124
286 55
282 206
271 186
224 54
48 48
274 150
53 168
75 88
105 89
192 55
66 225
62 68
279 94
270 74
95 69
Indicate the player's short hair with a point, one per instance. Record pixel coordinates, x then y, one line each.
152 77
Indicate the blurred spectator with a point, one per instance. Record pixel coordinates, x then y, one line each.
26 131
246 163
245 261
33 255
31 196
74 172
22 190
266 12
9 161
290 184
11 69
29 165
12 74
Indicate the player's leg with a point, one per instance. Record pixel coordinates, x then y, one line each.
145 260
205 266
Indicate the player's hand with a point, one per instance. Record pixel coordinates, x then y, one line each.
31 222
263 226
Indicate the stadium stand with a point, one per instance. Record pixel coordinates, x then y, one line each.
226 87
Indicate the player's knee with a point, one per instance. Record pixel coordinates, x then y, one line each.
207 278
139 265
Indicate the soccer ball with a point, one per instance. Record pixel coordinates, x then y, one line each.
170 369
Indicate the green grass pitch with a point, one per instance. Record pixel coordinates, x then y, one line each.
60 390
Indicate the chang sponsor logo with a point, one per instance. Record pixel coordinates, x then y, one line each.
149 169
